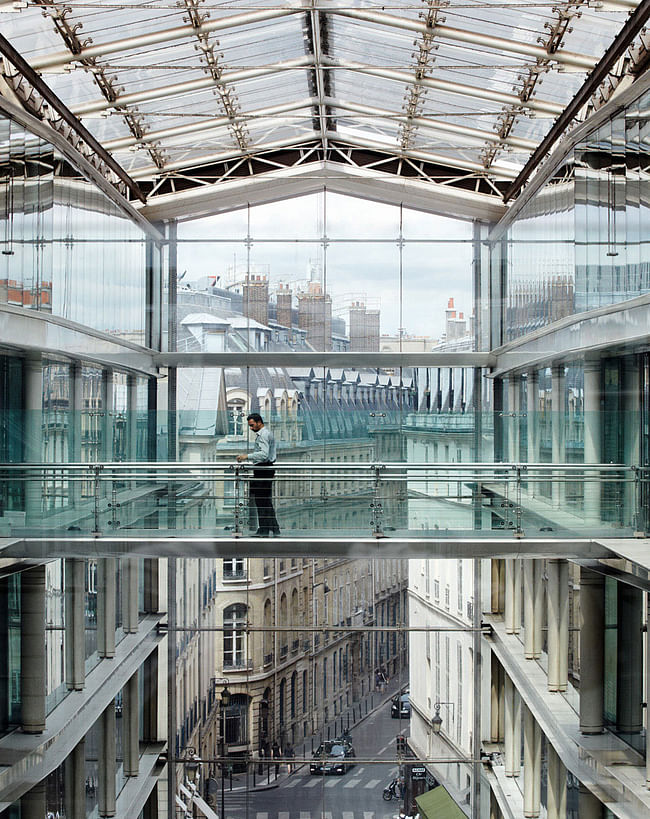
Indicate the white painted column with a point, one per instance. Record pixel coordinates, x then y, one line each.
106 589
75 659
589 806
558 624
130 727
592 433
592 650
106 796
513 596
75 779
129 587
556 786
558 456
512 728
33 804
32 650
533 429
532 764
532 608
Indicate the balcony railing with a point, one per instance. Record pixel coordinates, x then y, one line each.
408 499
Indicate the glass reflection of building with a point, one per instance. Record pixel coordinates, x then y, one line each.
85 639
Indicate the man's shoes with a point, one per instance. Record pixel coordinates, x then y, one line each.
276 532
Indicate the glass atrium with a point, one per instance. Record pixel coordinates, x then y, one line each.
412 240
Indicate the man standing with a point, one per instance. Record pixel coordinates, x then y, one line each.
261 487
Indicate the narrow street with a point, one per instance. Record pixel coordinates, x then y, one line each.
355 795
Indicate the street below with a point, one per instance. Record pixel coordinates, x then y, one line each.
355 795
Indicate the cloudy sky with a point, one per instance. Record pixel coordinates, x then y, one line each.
362 257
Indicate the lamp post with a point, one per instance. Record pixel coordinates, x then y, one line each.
224 702
192 766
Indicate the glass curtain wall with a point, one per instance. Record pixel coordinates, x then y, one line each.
66 248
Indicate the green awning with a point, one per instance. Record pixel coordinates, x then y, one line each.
438 804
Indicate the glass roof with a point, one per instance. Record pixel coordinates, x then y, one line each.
188 81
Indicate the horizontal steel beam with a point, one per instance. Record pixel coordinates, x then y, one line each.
509 46
145 41
537 105
325 359
189 87
205 125
431 124
348 136
179 544
634 25
309 177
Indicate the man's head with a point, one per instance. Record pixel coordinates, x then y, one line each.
255 421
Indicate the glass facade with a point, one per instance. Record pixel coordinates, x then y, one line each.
579 243
233 667
67 249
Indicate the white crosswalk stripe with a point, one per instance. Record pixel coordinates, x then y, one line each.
352 783
283 814
305 814
292 783
359 771
312 783
368 814
262 815
347 814
332 783
372 783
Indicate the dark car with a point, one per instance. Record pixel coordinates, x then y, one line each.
400 706
332 757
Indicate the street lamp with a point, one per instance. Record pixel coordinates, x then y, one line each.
224 702
192 767
436 720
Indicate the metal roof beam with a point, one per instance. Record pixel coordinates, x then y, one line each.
58 106
580 61
392 152
96 106
536 105
207 125
320 79
635 23
62 58
429 124
222 156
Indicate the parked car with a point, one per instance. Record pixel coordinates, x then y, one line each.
332 757
400 706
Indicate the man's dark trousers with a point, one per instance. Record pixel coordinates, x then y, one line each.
261 490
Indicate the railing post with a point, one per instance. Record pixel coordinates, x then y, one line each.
97 468
376 506
114 505
239 502
518 530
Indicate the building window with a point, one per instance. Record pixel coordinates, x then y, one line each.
234 636
234 568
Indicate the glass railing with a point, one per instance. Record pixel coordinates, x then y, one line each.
388 499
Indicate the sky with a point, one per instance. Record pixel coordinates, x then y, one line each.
361 260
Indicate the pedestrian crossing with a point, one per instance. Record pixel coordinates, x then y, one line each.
330 782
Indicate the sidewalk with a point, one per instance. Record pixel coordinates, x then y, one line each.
353 717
